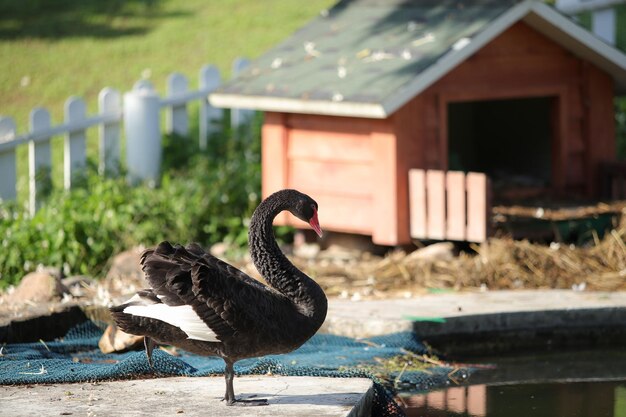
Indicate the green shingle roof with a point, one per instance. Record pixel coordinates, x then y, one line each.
362 55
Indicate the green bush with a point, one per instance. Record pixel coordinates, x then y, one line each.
205 197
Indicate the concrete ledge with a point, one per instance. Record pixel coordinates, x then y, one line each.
287 396
489 322
490 334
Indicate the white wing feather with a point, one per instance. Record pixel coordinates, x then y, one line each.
182 317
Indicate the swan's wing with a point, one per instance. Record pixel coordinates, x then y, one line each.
224 299
135 316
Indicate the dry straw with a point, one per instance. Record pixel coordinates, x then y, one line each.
497 264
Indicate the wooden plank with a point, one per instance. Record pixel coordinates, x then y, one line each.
331 124
512 71
442 112
409 144
320 145
384 185
75 147
455 399
8 173
520 39
338 213
599 131
618 188
477 400
39 160
274 155
455 191
523 57
417 206
346 213
177 119
331 176
430 118
210 116
240 117
436 204
575 166
560 150
603 22
109 102
503 93
477 206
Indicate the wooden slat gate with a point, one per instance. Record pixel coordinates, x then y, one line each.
449 205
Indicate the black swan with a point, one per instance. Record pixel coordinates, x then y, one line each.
208 307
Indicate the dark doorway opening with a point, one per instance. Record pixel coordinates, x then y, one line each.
509 140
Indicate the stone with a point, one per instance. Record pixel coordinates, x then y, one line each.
39 287
77 284
219 249
339 253
125 274
306 250
115 340
442 251
77 280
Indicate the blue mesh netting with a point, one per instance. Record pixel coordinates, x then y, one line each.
76 358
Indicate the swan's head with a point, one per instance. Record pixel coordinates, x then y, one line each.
305 208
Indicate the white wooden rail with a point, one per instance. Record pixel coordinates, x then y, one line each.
449 205
140 110
240 117
603 15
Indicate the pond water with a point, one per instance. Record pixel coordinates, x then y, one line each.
589 383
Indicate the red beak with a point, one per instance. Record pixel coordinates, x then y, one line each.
315 224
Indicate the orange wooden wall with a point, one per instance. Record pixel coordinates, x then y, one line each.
346 164
357 169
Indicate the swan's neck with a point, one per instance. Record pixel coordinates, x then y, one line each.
277 270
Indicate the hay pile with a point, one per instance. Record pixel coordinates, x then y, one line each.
497 264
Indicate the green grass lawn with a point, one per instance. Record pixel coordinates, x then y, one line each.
53 49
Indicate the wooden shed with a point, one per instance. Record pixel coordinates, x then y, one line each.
403 117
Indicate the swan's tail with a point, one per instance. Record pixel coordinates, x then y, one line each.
168 270
169 301
140 326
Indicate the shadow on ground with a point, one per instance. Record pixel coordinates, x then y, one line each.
51 19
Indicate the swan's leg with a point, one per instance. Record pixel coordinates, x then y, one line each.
149 344
229 396
229 374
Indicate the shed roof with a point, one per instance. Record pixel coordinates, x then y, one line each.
367 58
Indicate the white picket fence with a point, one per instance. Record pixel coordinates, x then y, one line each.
138 111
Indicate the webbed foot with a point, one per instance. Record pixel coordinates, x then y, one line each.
248 402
